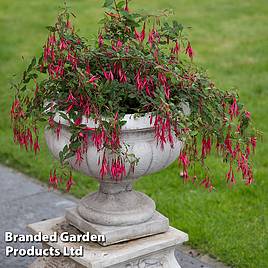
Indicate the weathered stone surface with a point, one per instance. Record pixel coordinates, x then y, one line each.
115 203
59 262
23 201
155 251
114 234
138 133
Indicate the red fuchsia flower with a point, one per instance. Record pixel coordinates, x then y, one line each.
151 38
249 179
153 35
163 80
68 24
168 127
16 111
189 51
41 66
126 6
98 138
53 180
93 80
126 49
123 77
88 129
206 147
78 121
70 107
184 161
167 91
36 146
238 129
51 122
84 137
104 167
51 70
230 176
152 86
52 40
88 69
139 81
118 45
46 52
115 141
52 54
207 184
87 110
156 54
59 68
228 143
73 60
71 98
100 40
18 137
117 169
140 36
79 157
108 75
160 130
176 49
63 44
245 169
236 151
69 183
29 137
147 88
253 141
248 114
58 130
22 139
247 151
233 109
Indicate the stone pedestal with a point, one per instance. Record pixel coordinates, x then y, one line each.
115 234
152 251
117 212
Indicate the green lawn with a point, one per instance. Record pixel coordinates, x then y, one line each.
231 41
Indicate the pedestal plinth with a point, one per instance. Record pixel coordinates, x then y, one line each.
115 234
153 251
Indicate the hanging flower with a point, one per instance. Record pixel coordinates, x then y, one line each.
189 51
100 41
140 36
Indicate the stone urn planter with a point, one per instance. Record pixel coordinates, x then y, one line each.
116 206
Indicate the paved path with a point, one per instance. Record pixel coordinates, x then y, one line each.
24 201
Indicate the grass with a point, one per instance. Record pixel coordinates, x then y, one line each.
230 40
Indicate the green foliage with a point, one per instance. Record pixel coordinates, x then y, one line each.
131 71
230 42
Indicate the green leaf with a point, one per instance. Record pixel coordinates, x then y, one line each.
51 28
121 4
108 3
194 133
23 88
32 64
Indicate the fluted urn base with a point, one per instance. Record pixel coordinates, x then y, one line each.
116 204
117 212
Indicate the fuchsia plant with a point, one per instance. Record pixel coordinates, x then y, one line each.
138 64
